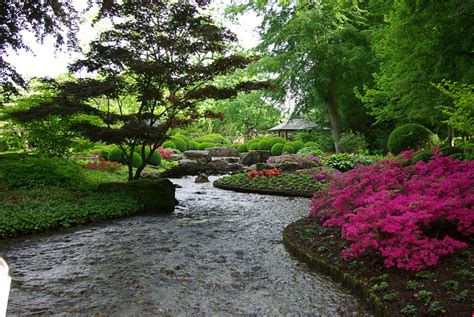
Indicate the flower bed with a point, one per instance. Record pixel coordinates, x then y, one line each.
445 290
272 182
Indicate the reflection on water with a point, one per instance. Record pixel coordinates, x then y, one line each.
220 253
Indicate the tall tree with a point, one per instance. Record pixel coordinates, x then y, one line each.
420 43
319 51
154 66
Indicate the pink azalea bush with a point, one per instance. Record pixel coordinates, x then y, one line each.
392 207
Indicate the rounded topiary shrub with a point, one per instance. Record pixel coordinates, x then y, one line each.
254 146
193 145
310 144
242 148
288 148
136 160
116 155
104 154
277 149
155 159
180 143
265 145
169 145
411 136
250 142
182 137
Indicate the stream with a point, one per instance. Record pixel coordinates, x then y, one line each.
220 253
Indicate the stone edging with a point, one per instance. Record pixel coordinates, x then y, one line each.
262 191
357 287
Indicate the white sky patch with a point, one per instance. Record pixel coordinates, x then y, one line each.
44 60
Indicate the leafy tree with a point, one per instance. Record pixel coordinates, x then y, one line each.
319 51
421 42
153 67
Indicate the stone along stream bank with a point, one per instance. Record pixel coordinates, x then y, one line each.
220 253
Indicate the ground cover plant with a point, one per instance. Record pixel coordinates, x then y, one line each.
38 193
272 182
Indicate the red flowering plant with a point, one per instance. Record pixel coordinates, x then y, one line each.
267 173
402 212
103 164
166 154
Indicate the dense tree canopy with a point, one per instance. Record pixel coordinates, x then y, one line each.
155 64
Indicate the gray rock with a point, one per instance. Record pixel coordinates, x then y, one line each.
201 178
202 156
289 166
156 195
264 166
222 152
254 157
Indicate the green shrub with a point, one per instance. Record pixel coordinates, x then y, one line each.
212 138
206 145
310 150
193 145
180 143
424 155
288 148
22 170
182 137
353 142
341 161
254 146
411 136
277 149
116 155
169 145
4 146
250 142
104 154
242 148
265 144
311 144
155 158
297 145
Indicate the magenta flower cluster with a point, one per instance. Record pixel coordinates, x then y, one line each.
391 206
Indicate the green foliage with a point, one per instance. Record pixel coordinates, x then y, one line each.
341 161
380 286
310 150
462 296
193 145
155 158
180 143
287 148
297 145
451 285
34 210
461 112
104 154
23 170
253 146
286 182
409 310
206 145
265 144
411 136
324 140
390 297
425 295
242 148
212 138
310 144
277 149
353 142
116 155
169 145
423 155
250 142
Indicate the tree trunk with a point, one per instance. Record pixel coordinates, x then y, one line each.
333 115
450 135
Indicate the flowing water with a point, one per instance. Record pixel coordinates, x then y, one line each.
219 254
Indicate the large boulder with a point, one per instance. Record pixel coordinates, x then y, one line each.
201 156
222 152
156 195
222 167
254 157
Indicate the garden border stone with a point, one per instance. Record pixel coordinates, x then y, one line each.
355 286
263 191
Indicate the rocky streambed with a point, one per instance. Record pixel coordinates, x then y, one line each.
220 253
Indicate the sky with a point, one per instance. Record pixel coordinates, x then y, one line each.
45 61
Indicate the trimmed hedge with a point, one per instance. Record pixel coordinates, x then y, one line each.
287 148
277 149
180 143
193 145
242 148
411 136
169 145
